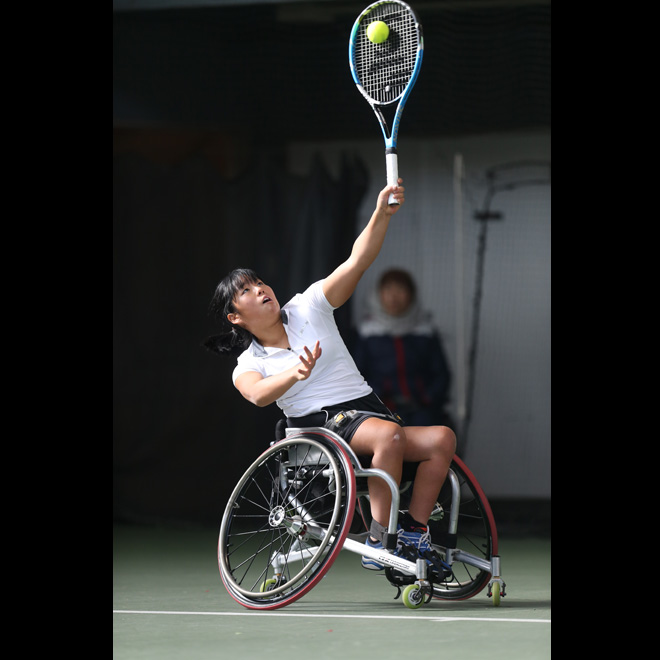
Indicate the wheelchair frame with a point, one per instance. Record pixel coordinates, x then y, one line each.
295 505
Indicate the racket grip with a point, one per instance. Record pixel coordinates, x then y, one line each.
392 168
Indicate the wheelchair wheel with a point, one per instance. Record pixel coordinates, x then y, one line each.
477 535
286 521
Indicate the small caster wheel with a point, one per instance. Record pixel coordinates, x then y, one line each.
413 596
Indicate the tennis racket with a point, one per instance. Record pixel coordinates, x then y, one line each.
385 70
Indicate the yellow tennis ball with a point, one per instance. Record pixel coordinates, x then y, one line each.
378 32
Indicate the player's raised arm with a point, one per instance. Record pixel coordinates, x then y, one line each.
339 286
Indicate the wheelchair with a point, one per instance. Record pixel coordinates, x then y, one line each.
292 512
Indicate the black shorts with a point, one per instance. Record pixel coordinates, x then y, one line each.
344 418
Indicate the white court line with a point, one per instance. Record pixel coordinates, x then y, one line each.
341 616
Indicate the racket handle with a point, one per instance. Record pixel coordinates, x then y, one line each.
392 167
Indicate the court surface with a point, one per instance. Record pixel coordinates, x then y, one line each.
169 603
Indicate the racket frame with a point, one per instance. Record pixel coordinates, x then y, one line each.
390 136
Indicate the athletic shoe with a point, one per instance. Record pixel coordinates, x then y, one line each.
421 542
369 563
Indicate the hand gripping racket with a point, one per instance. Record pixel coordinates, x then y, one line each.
386 68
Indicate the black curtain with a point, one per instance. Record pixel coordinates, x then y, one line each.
182 433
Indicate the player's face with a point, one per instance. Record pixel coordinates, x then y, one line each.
254 302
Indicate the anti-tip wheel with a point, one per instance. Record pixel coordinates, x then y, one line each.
496 594
267 585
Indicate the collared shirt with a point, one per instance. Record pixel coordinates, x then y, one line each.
308 317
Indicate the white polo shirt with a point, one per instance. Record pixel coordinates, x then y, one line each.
308 317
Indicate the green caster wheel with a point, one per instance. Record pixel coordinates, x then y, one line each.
413 596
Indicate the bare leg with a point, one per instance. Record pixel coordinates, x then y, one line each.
386 443
433 448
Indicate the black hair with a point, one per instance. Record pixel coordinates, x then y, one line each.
236 339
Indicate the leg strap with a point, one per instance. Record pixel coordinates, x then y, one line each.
377 530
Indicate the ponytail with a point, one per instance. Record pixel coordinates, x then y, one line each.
236 339
233 342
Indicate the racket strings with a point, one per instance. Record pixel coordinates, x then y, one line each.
384 70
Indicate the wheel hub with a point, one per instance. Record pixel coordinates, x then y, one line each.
276 516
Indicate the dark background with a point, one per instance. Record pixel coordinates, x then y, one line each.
280 70
205 101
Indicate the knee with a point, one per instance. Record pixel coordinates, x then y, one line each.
445 441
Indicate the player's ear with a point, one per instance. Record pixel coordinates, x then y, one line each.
232 317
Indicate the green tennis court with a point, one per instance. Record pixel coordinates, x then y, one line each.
169 602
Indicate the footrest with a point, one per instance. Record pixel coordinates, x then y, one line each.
398 578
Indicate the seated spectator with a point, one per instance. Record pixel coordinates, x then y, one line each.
400 353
